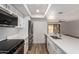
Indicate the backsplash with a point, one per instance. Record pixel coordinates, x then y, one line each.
4 32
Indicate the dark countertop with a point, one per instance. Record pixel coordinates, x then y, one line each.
10 46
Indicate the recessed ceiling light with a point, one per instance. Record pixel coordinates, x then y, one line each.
37 11
60 12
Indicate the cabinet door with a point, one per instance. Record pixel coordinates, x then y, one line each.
50 46
59 51
53 48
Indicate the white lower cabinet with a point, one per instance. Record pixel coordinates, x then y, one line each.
50 47
26 46
59 51
53 48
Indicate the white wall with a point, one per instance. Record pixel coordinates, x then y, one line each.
39 29
70 28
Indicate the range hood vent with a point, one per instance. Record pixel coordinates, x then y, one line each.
6 12
7 18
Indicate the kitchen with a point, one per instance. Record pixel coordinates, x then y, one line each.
39 28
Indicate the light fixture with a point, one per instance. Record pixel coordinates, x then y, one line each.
60 12
37 11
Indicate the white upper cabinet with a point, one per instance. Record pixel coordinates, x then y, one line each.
10 9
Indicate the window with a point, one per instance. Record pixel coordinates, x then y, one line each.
53 28
50 28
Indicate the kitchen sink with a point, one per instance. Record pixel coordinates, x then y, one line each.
55 37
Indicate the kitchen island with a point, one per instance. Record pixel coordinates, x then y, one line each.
65 45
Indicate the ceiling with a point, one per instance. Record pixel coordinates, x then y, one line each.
63 12
33 8
53 12
37 10
20 8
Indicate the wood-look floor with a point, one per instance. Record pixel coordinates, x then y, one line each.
38 49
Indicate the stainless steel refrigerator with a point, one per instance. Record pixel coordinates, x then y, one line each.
30 34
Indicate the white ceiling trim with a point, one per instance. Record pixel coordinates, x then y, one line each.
47 9
27 10
37 16
33 16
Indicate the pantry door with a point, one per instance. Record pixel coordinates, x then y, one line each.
39 29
